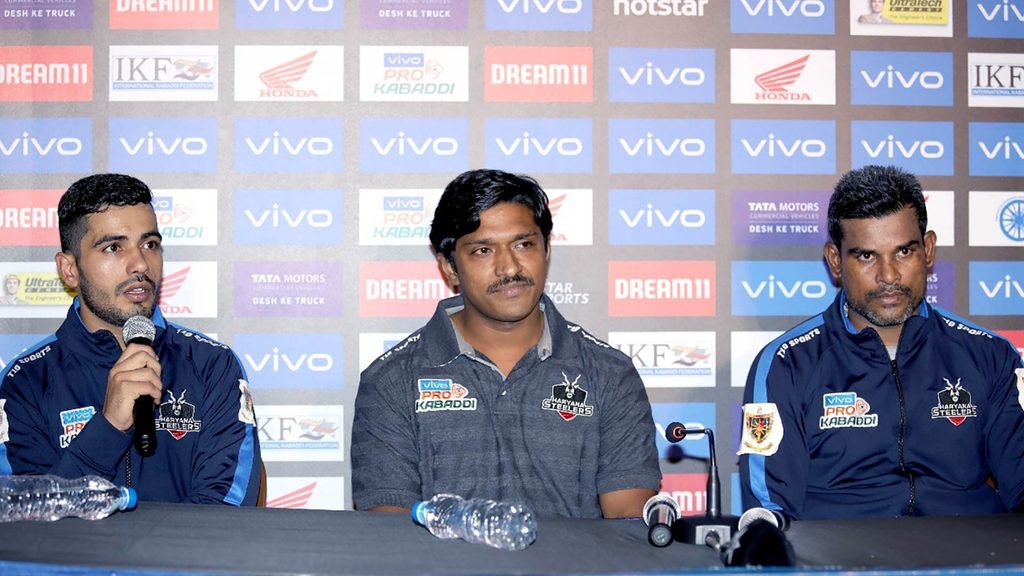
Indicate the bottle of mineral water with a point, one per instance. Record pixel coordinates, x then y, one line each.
48 497
502 525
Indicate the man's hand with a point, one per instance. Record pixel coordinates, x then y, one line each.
136 373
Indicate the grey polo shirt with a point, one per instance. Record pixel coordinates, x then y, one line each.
571 421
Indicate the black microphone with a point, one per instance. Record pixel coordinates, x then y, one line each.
759 543
140 330
712 529
660 512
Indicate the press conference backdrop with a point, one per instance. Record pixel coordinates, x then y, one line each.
297 149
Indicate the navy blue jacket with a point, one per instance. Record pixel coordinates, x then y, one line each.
51 420
834 429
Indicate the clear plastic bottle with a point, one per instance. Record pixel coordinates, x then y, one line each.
502 525
49 497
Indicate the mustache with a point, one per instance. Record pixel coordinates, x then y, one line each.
515 279
889 291
134 280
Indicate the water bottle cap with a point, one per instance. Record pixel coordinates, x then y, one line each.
419 513
133 498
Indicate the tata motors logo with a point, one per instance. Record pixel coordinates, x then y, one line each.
291 361
995 19
780 288
670 359
661 217
661 288
288 289
46 73
289 73
779 217
995 80
289 217
290 14
538 74
179 14
45 145
901 78
414 14
164 73
540 144
782 17
301 433
660 146
783 76
414 145
29 218
140 144
400 289
679 75
997 218
289 145
396 217
996 148
924 148
414 73
45 15
550 15
783 146
997 288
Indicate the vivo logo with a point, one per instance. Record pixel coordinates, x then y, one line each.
652 75
1005 288
541 6
278 145
806 8
893 148
292 5
403 145
412 203
649 145
651 216
774 288
277 216
890 78
1007 150
277 361
151 145
404 60
28 145
1007 12
772 146
526 144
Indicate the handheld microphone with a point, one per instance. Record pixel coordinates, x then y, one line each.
660 512
774 517
140 330
713 529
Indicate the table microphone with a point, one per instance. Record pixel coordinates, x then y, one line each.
758 543
660 512
712 529
140 330
774 517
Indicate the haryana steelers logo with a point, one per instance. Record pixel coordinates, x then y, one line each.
1011 219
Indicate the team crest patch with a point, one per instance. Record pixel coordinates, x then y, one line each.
441 394
1020 386
954 403
762 429
568 399
245 412
846 410
178 416
72 422
4 436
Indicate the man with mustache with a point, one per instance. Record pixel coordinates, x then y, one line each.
883 405
498 396
68 400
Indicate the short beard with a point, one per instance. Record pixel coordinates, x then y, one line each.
879 321
104 309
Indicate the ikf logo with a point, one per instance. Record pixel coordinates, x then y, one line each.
540 144
290 14
923 148
396 217
661 146
997 218
670 359
535 15
191 15
783 17
46 73
670 75
783 77
400 289
693 415
995 19
301 433
997 148
45 145
995 80
414 73
538 74
186 217
289 217
291 361
997 288
414 145
163 73
266 144
661 217
29 217
783 146
289 73
661 288
163 145
780 288
901 78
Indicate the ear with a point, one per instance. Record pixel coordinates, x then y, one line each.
834 260
448 271
67 268
929 248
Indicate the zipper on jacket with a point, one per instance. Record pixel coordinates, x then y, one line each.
128 468
903 429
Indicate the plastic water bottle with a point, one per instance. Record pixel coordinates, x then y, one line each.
480 521
50 497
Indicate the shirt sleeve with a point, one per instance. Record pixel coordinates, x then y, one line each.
628 455
1005 434
385 458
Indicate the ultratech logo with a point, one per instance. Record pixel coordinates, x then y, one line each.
164 14
568 399
46 73
658 7
442 395
178 416
538 74
846 410
954 403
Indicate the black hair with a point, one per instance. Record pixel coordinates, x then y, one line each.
874 192
91 195
472 192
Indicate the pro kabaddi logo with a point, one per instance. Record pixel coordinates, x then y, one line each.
846 410
178 416
954 403
441 394
568 399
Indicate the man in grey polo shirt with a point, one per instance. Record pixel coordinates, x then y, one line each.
498 396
